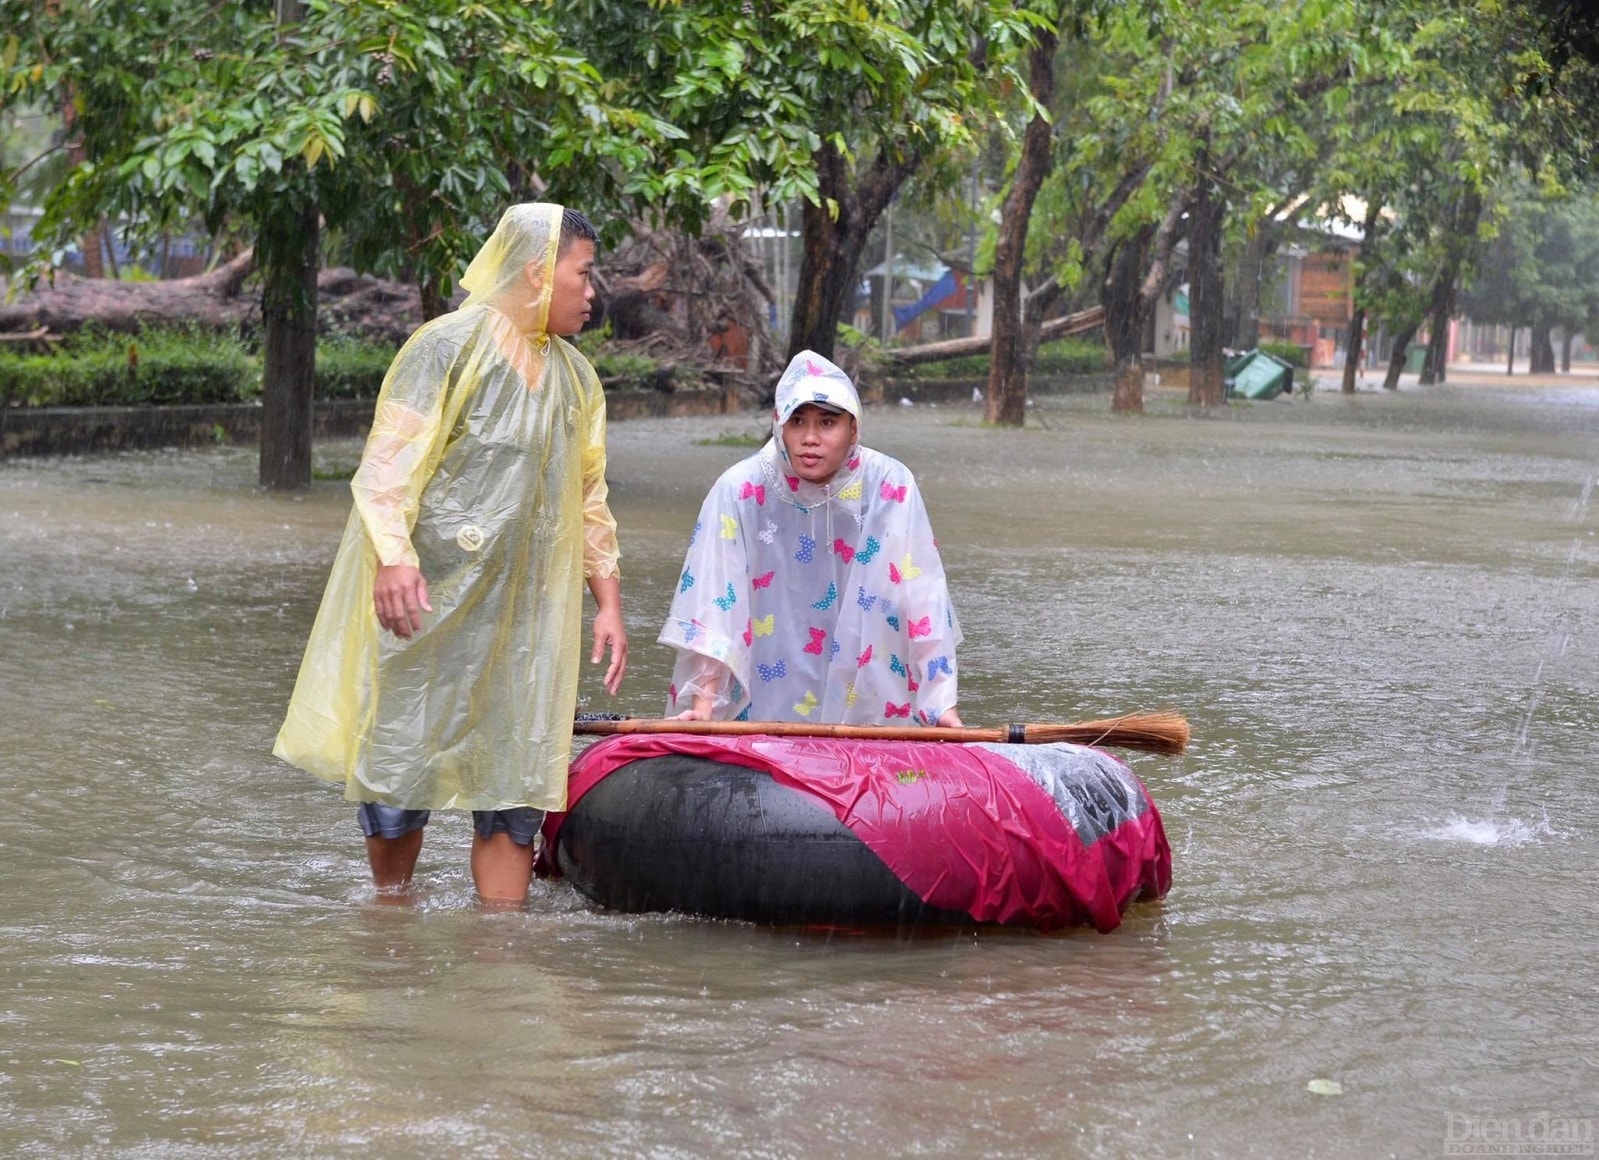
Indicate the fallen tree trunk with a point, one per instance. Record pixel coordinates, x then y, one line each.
355 304
1063 327
210 300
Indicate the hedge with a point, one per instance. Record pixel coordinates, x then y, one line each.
171 366
1066 356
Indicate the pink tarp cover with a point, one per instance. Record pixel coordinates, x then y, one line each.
962 827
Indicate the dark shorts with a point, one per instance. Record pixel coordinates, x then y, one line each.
381 821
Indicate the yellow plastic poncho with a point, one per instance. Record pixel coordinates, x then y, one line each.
485 468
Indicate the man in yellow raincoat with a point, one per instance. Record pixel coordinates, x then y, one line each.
442 669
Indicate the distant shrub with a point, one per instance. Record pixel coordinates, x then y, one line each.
1066 356
350 368
1071 356
1290 352
627 372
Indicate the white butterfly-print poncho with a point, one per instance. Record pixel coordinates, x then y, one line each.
816 602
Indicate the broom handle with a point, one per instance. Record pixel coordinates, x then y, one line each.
1156 732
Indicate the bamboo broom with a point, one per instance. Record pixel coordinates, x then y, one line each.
1151 732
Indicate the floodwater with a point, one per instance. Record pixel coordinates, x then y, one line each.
1379 613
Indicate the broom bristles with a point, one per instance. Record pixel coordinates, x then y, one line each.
1151 732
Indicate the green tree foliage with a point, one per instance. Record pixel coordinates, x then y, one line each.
1541 270
403 125
832 104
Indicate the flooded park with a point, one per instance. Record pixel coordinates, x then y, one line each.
1379 613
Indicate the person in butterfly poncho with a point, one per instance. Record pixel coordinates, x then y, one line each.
480 510
813 588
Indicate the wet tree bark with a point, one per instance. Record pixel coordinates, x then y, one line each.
1542 355
1206 293
1124 321
833 244
211 300
288 247
1246 289
1357 339
1357 323
1011 354
1462 236
1396 361
1433 368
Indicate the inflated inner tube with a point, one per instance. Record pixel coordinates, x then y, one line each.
682 833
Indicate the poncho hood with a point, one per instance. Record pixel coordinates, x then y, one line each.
529 233
810 378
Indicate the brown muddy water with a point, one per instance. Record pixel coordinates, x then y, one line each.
1380 614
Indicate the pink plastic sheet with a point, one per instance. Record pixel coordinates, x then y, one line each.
963 826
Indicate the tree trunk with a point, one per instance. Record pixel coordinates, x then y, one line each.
431 289
1396 361
1566 339
1357 339
1206 292
1011 356
288 247
1124 322
833 243
1246 290
1433 369
1542 354
1357 324
1036 304
1462 235
210 300
1510 363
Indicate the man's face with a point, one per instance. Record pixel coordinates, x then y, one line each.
572 293
818 442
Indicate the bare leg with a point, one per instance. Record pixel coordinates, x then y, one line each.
501 870
393 860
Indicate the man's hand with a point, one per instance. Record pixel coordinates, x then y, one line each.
400 596
608 630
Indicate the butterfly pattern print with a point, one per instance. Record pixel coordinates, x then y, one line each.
833 604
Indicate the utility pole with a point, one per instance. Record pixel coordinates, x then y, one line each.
888 274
